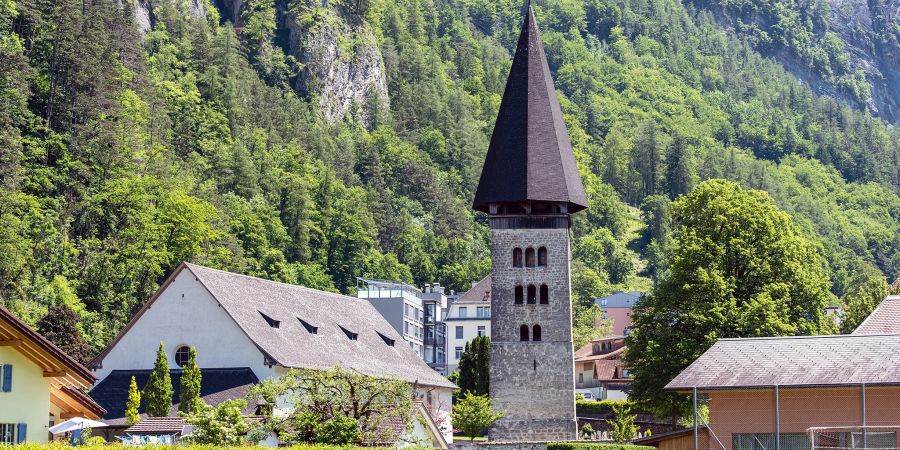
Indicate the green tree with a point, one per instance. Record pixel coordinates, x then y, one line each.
474 414
189 391
866 292
327 402
158 391
738 267
623 427
222 425
132 407
474 367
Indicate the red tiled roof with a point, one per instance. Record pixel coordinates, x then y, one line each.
885 319
610 370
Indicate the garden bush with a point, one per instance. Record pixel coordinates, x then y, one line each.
594 446
595 407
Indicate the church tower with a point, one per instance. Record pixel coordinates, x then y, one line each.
529 187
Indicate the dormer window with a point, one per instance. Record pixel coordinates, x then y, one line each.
387 340
272 322
350 335
309 327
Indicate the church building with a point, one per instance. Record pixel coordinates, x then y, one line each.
529 187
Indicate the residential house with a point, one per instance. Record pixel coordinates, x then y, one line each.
400 304
468 317
617 307
261 329
40 385
599 368
798 392
434 343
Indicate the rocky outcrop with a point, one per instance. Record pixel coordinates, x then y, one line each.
342 65
143 12
872 43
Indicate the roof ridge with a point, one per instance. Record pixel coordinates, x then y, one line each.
820 336
297 286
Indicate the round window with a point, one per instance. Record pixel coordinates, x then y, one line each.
182 355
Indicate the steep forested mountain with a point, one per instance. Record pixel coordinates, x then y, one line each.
313 141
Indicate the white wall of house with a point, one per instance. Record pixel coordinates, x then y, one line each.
185 314
471 324
28 401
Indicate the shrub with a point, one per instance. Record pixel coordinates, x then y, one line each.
594 407
594 446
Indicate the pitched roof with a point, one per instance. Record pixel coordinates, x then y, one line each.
885 319
530 156
158 425
845 360
350 332
218 385
43 352
481 292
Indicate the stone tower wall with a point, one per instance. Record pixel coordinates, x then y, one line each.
532 382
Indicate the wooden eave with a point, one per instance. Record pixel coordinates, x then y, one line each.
52 361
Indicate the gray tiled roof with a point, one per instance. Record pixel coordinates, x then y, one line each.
530 156
794 361
885 319
247 298
481 292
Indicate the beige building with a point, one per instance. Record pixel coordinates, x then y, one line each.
40 385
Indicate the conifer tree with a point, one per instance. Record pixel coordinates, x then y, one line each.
467 370
189 394
158 391
482 364
132 408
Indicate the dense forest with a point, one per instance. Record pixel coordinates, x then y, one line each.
138 134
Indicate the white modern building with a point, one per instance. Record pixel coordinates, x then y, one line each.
247 329
401 305
468 317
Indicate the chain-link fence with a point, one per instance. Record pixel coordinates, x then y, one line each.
853 438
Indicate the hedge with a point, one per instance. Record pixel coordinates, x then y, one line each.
595 407
118 446
594 446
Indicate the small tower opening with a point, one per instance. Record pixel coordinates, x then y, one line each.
532 294
542 257
545 294
523 333
520 296
529 257
536 333
517 257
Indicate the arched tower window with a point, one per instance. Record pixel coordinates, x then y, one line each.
545 294
520 295
529 257
536 333
542 257
523 333
517 257
532 294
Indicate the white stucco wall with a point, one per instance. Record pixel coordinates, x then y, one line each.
470 331
29 400
185 314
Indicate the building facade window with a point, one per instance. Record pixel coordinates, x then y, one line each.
542 256
545 294
483 311
463 312
532 294
481 331
182 355
459 332
520 295
523 333
8 433
536 333
459 352
529 257
517 257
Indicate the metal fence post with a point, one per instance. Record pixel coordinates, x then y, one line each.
777 420
865 438
696 429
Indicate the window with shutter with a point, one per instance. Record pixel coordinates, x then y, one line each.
6 384
8 433
21 432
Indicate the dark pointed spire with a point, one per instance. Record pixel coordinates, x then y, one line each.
530 156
